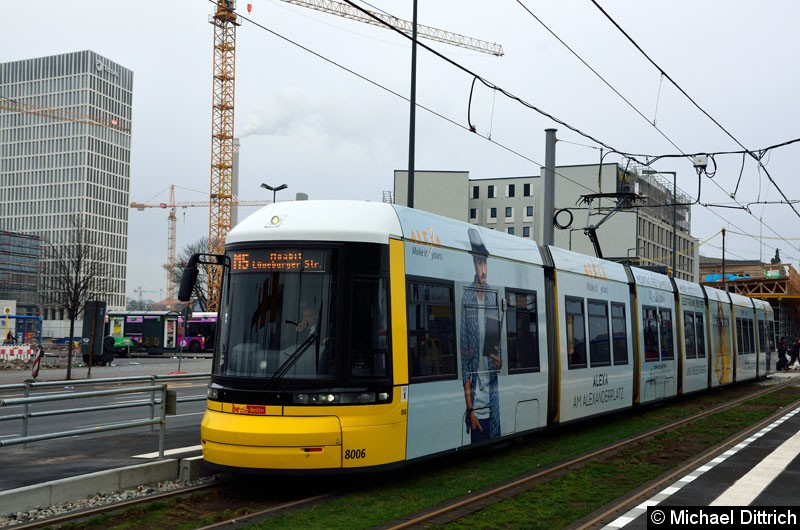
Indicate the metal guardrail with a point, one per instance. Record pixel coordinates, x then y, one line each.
158 385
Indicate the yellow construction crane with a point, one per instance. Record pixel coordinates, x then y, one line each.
225 22
406 26
64 115
172 224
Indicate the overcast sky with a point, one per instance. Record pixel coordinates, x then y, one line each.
321 130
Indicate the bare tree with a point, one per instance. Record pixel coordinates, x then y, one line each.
200 293
76 270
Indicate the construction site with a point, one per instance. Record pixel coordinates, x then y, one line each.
778 283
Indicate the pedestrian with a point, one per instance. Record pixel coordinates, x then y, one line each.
794 352
783 363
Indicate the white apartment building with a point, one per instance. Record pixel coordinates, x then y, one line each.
639 231
506 204
65 147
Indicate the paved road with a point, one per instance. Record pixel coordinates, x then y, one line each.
50 460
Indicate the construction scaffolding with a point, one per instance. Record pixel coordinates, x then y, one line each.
777 283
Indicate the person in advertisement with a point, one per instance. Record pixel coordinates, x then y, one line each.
480 348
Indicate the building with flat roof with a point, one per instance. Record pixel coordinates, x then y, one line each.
65 146
443 192
630 211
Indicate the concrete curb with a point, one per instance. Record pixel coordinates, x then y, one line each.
75 488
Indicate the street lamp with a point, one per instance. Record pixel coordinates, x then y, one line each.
274 190
674 211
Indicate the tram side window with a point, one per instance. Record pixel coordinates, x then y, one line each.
700 333
667 347
599 342
576 333
740 335
690 341
619 330
431 331
771 335
369 333
762 336
745 336
650 327
522 332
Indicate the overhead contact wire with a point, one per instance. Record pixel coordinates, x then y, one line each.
701 109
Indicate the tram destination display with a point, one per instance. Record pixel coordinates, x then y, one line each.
271 260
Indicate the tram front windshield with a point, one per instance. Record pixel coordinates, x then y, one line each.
278 316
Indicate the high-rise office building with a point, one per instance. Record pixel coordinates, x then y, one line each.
65 145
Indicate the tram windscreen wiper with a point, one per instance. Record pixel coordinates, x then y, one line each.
293 358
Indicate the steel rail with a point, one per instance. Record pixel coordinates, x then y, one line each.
103 509
480 498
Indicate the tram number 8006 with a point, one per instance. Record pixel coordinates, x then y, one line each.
355 454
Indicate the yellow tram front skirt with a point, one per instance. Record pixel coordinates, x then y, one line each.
293 442
271 442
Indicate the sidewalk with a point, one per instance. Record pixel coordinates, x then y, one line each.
12 373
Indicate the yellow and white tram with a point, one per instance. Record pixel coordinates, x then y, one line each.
361 336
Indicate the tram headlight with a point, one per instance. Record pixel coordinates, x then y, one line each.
337 398
213 393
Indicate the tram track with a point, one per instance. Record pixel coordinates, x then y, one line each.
236 511
238 522
457 508
88 513
610 512
246 512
